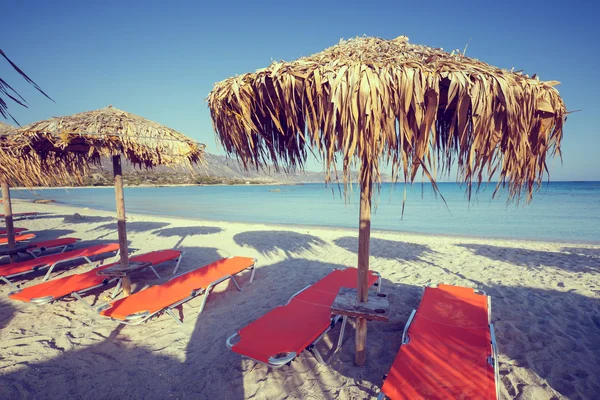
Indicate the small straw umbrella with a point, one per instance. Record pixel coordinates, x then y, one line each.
110 132
415 108
29 170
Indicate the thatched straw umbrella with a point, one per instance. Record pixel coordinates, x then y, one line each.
29 170
109 132
412 107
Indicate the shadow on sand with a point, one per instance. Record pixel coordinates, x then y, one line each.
184 232
132 227
536 259
388 249
271 242
527 321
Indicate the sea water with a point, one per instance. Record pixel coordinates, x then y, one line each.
566 211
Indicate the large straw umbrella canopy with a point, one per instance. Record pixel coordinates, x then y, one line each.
86 137
367 102
30 170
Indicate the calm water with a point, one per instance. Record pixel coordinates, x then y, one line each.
560 211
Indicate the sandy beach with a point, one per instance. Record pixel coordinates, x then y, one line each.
545 306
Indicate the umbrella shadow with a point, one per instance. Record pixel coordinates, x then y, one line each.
99 366
583 251
388 249
536 259
183 232
84 219
132 227
51 234
530 327
269 243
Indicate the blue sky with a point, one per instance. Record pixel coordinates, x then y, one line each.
160 59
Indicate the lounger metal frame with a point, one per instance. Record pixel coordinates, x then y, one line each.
35 252
143 316
278 362
492 359
50 268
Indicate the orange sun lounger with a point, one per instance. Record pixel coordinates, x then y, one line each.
77 284
36 248
139 307
279 336
50 261
18 238
448 349
4 232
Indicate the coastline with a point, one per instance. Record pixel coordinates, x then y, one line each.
512 240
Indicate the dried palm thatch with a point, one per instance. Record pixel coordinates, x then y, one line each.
106 132
414 107
29 169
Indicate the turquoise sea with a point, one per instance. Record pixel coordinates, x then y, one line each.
566 211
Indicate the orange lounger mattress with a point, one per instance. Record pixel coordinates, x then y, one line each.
448 352
16 231
57 288
290 329
141 305
49 261
18 238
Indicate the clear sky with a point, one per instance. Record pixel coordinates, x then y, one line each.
159 59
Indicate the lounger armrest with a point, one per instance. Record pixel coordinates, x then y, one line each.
297 293
280 361
495 359
405 338
229 339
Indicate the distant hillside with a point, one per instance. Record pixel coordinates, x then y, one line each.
217 170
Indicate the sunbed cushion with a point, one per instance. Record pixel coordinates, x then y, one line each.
61 287
446 356
296 325
51 244
46 261
282 330
158 297
18 238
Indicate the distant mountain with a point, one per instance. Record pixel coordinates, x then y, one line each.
217 170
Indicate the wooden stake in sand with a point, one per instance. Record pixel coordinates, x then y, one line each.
8 217
121 226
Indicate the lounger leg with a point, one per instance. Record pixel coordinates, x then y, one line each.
155 273
78 297
64 248
236 284
206 293
12 285
177 265
172 314
251 278
117 290
340 341
49 272
253 271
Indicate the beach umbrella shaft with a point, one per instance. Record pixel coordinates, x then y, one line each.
8 217
364 236
121 225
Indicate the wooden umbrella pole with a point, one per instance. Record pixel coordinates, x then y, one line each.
8 216
364 235
121 227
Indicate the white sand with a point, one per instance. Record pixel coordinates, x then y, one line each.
545 304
